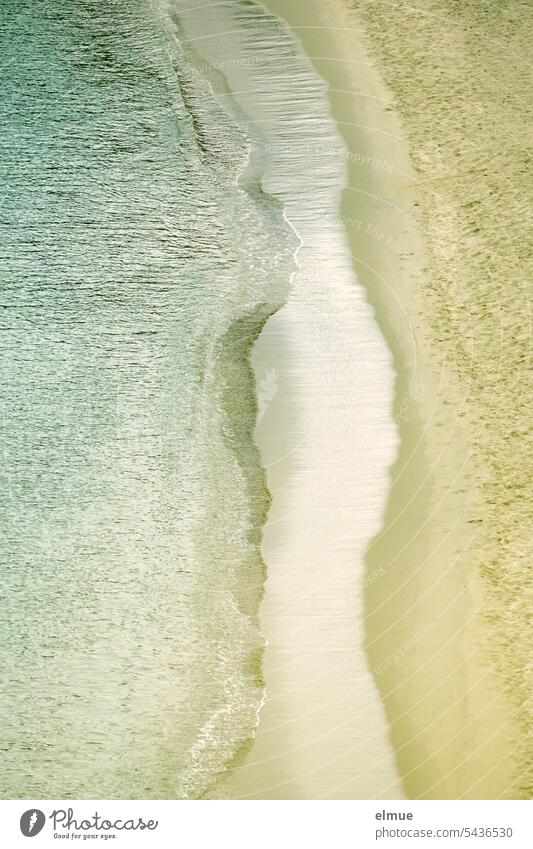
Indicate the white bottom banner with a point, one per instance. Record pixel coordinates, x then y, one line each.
266 825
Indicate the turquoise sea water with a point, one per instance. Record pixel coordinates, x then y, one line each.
135 272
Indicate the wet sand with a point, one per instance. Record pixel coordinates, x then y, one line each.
322 732
327 439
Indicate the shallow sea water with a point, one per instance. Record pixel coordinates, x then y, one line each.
135 273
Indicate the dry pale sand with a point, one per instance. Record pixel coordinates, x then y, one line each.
466 110
452 721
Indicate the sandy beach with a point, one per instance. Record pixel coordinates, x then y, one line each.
454 723
465 111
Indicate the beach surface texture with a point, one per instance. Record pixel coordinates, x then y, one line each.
436 214
465 107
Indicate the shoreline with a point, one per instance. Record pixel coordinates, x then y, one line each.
449 716
327 439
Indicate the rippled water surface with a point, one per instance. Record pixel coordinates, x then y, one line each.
135 271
